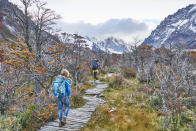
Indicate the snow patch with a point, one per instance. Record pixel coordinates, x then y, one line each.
10 28
180 23
193 28
168 33
193 9
156 37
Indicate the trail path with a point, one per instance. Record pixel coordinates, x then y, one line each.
78 117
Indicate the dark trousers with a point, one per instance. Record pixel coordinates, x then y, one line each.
95 75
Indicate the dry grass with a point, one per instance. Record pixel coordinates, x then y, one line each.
123 112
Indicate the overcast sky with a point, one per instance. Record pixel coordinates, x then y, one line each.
120 18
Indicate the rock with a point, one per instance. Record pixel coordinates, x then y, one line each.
101 95
113 109
142 105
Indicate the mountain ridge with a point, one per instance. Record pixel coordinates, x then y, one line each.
110 45
177 28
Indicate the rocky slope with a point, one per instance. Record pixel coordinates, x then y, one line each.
177 28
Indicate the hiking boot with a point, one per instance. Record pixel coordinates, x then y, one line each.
61 124
64 120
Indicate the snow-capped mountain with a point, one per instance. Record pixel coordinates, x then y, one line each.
177 28
111 45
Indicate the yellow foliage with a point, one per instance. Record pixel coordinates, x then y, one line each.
59 53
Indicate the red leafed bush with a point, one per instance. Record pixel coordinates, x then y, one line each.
129 72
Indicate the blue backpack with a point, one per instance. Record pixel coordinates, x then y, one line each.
61 87
95 65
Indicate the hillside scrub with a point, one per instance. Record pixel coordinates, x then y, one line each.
168 80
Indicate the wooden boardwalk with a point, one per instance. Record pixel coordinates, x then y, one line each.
78 117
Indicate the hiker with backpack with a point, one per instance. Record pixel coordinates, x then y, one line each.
95 68
61 90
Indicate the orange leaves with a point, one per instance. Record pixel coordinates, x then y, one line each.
59 53
47 113
51 63
56 62
129 72
22 45
40 70
22 54
57 49
193 55
15 62
19 57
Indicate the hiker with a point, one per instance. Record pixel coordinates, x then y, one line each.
95 68
61 90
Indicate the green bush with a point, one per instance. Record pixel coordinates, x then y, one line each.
10 124
21 120
25 118
156 101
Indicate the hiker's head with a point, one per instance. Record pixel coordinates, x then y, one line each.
96 60
65 73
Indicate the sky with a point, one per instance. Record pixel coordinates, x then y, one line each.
125 19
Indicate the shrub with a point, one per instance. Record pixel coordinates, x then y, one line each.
142 77
129 72
48 113
25 119
31 119
156 101
10 124
117 82
113 69
76 99
103 72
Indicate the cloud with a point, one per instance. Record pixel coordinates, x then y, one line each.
123 26
112 27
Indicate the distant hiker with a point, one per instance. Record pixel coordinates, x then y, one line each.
95 68
61 90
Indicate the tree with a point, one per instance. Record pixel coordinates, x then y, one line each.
37 25
16 62
43 19
24 20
